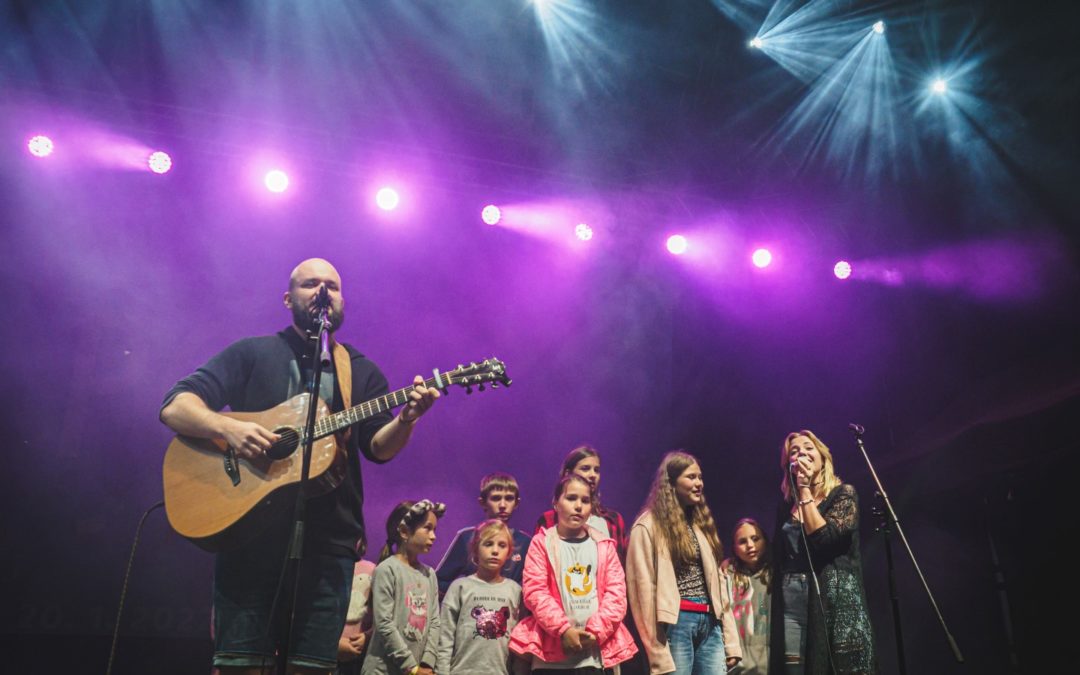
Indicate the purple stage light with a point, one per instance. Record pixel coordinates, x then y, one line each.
761 258
677 244
276 180
491 214
387 199
40 146
159 162
842 269
583 232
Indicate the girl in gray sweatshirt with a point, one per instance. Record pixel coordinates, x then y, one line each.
480 610
405 595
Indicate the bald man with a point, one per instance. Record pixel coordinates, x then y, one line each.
256 374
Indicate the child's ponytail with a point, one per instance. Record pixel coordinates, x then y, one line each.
393 537
409 515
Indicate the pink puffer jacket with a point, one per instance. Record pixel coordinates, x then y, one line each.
540 634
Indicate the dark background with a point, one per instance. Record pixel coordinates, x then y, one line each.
954 344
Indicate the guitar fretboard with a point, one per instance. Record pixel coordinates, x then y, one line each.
358 413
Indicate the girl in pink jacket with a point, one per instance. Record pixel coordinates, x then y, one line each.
573 583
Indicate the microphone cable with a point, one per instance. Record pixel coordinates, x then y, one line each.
124 586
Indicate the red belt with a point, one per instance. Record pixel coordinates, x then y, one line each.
691 606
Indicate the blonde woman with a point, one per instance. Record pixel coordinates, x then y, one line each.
818 523
679 598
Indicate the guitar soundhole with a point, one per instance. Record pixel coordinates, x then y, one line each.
286 445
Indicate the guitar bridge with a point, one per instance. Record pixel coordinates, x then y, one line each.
232 469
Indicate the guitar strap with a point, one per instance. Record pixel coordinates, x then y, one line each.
343 368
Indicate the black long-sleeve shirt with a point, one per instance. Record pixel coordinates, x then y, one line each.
255 374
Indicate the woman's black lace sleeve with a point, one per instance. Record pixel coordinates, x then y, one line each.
841 522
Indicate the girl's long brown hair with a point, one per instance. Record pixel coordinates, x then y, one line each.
673 520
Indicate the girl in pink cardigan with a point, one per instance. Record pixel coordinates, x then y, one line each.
573 583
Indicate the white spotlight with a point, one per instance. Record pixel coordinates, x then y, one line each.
879 27
939 86
757 43
276 180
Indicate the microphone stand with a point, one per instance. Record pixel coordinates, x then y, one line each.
296 540
890 513
813 571
885 528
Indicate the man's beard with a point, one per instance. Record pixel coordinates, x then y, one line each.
308 320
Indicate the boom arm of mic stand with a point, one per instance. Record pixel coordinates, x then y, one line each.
907 547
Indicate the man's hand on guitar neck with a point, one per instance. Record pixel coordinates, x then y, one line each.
390 439
421 398
187 414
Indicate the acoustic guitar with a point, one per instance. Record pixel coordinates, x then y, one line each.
219 500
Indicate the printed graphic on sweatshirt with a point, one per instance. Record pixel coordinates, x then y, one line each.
751 610
490 623
578 583
416 602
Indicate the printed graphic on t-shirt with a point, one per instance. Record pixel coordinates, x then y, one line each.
417 603
578 583
577 579
490 623
751 611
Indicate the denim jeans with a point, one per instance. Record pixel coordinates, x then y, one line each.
796 590
697 644
244 588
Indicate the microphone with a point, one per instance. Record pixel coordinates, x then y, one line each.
794 466
856 429
322 302
323 299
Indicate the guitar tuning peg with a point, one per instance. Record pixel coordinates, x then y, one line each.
494 385
468 389
481 386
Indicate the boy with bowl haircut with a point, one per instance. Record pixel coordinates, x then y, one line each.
499 497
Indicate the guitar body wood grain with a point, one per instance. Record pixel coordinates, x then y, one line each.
203 504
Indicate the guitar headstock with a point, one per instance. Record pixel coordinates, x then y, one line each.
478 375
